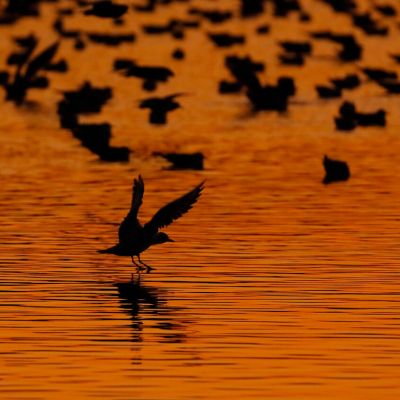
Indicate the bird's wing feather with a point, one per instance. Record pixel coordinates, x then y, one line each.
130 224
173 210
41 61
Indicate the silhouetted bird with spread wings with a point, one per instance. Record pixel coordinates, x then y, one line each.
135 238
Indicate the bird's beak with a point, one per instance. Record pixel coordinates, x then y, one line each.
170 240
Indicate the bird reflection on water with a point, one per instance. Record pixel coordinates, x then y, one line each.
138 300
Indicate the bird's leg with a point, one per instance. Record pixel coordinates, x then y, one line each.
138 267
148 268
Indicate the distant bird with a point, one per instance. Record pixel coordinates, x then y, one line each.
226 39
151 75
296 47
263 29
350 81
377 74
134 238
111 39
214 16
335 170
328 92
184 160
107 9
386 10
160 107
26 77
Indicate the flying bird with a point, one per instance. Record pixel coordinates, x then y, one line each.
134 238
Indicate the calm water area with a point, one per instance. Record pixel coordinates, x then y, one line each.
277 287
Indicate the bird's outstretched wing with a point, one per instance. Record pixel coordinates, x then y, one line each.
130 224
174 210
42 60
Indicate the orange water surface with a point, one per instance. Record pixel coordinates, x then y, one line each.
277 286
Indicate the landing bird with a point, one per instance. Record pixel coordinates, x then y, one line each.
134 238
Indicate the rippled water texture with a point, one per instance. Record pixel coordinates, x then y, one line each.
277 287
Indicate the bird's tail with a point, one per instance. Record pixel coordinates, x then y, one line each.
103 251
110 250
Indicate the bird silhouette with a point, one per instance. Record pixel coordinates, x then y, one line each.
160 107
335 170
107 9
134 238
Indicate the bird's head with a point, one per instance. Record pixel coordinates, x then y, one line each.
162 237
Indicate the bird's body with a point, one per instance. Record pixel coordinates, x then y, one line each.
134 238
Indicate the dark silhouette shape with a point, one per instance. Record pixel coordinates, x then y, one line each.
244 69
213 16
27 45
226 39
349 117
240 67
251 8
348 110
365 22
175 27
328 92
345 124
58 26
386 9
96 138
296 47
59 66
342 6
111 39
137 298
160 107
134 238
226 87
350 81
26 77
379 74
390 85
335 170
150 75
377 118
107 9
351 49
282 8
184 160
178 54
4 76
396 57
87 99
16 9
149 7
263 29
304 16
270 97
295 52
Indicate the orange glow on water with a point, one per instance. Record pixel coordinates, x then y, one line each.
277 286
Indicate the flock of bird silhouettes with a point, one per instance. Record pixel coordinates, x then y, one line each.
30 69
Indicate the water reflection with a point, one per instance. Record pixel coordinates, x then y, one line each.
147 305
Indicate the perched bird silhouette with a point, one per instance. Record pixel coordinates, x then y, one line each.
134 238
